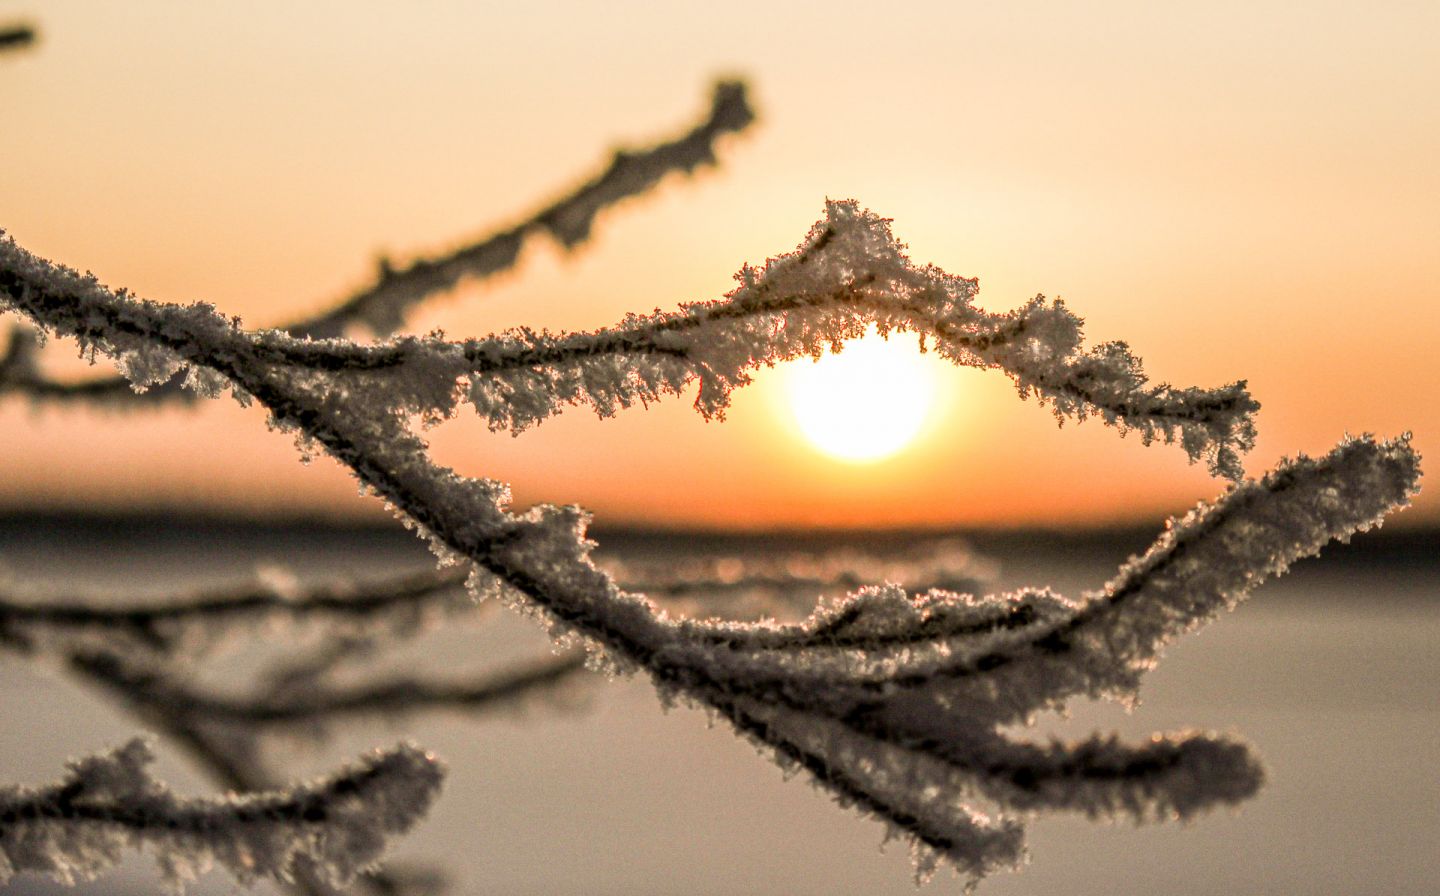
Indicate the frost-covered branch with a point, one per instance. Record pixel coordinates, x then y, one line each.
999 660
381 307
226 733
20 374
891 700
888 695
350 612
109 802
232 756
849 273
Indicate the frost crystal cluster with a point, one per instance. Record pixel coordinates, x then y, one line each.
895 700
78 827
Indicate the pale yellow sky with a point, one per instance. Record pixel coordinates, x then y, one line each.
1239 190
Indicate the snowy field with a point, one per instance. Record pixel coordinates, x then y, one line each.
1333 673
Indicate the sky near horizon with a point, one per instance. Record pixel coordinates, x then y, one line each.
1238 190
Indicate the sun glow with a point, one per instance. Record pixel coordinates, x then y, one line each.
865 403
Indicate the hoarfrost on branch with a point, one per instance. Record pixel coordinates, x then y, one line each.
894 701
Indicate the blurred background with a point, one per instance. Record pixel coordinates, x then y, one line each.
1239 190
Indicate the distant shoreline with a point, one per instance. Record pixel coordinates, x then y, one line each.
1412 545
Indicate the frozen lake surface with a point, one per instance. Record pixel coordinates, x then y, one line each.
1332 673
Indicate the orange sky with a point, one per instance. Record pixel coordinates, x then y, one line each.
1239 190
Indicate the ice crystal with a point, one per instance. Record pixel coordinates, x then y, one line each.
109 802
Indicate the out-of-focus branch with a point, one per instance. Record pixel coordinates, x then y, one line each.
233 758
20 374
226 735
731 586
742 587
16 37
151 687
401 601
381 307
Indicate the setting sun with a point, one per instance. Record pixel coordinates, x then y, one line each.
866 402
